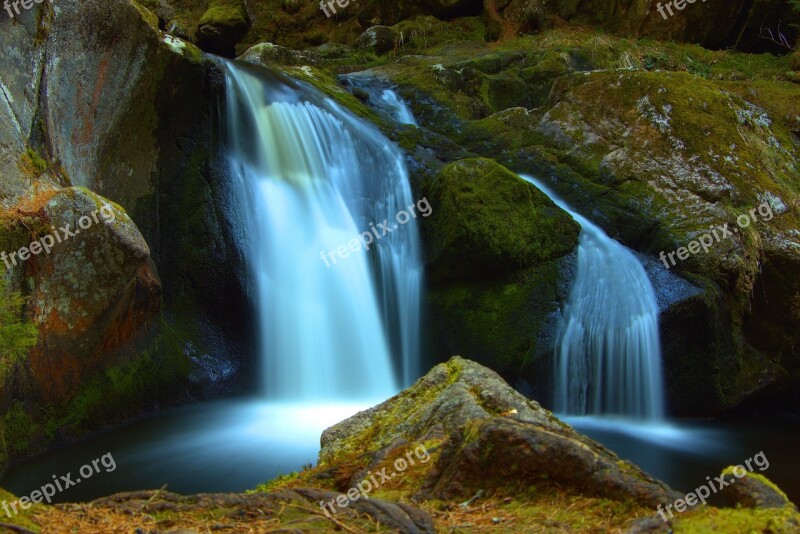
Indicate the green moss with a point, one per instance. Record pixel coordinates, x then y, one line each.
24 517
498 322
708 520
124 391
147 15
279 482
17 334
385 423
325 81
487 219
32 164
729 472
225 13
119 393
17 429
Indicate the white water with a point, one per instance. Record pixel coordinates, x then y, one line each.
312 178
608 357
397 107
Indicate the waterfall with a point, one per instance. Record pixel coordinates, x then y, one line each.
396 107
311 177
608 356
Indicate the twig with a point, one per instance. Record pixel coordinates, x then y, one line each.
153 497
781 41
16 528
335 521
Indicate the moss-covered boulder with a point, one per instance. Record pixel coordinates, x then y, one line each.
492 435
91 293
378 39
499 252
486 423
223 26
488 221
747 489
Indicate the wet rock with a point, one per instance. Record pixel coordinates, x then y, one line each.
752 491
223 26
92 293
493 435
378 39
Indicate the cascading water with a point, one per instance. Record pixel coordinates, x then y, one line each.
313 177
608 358
396 107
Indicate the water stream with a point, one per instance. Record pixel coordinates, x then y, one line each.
338 321
608 358
337 336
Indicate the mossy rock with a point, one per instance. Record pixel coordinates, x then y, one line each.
487 220
223 26
508 323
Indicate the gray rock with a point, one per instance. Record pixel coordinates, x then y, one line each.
494 435
378 39
752 492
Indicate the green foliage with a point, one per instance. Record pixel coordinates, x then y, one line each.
32 164
127 390
16 431
276 483
17 336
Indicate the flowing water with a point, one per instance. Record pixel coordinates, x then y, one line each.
313 178
337 336
396 107
235 445
608 358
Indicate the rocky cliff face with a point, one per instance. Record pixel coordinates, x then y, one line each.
99 107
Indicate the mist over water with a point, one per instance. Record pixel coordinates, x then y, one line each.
608 356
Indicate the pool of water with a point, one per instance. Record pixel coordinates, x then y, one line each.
234 446
684 453
209 447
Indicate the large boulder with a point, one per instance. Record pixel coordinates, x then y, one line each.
95 99
488 220
378 39
499 253
746 489
492 435
93 286
223 26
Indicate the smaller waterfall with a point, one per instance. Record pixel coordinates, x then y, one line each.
397 107
608 358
